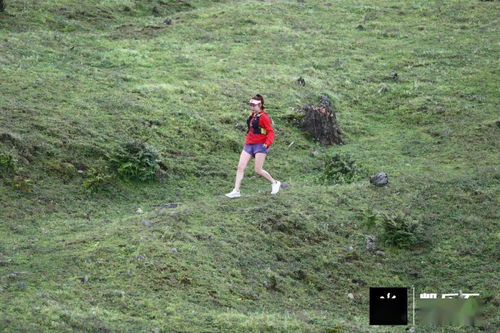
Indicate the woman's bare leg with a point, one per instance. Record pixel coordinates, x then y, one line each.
259 163
244 158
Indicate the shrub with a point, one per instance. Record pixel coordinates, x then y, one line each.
96 180
22 184
396 229
340 168
136 160
62 169
401 230
7 164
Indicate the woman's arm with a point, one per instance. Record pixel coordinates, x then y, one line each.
266 123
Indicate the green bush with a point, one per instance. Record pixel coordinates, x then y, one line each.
22 184
395 229
340 168
136 160
401 230
62 169
97 180
7 164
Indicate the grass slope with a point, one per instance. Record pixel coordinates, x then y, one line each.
79 79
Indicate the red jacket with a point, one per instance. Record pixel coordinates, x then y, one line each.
266 123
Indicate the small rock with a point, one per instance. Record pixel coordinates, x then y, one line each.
168 205
380 179
141 257
380 253
240 126
284 185
5 262
349 248
139 211
146 222
314 153
350 295
383 89
173 250
360 27
370 242
85 279
168 21
358 281
88 261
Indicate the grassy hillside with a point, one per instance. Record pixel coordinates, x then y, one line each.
104 109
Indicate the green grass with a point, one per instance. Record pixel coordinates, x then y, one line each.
80 79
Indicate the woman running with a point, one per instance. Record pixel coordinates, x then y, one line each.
260 136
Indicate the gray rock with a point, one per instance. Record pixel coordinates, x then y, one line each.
173 250
168 21
380 179
240 126
350 295
141 257
314 153
85 279
370 242
146 222
168 205
380 253
383 89
284 185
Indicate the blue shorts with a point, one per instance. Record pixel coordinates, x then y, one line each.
256 148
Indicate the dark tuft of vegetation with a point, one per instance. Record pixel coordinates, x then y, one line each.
136 160
340 168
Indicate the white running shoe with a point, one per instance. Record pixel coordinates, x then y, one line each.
276 187
233 194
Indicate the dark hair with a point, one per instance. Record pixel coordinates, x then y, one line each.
261 99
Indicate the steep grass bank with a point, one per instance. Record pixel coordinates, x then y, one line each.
79 80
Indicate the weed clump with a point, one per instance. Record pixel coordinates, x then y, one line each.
401 230
11 174
340 168
97 180
8 164
395 229
136 160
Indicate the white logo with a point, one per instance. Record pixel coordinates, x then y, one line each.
388 296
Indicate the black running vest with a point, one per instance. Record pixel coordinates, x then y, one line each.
255 125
